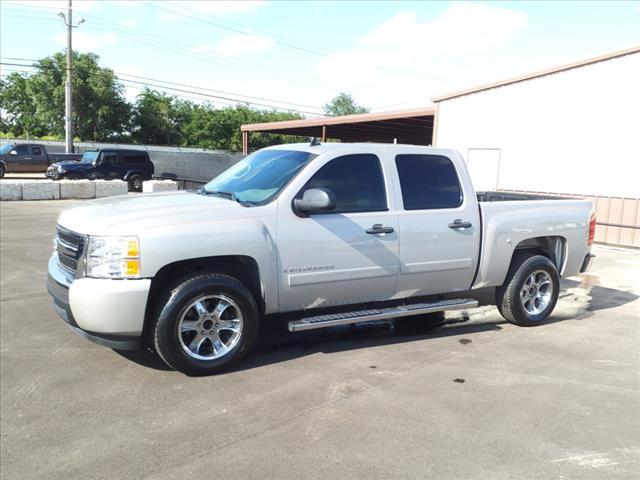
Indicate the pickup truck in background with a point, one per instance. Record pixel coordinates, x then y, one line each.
321 235
30 158
132 166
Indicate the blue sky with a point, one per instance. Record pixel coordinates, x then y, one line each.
298 55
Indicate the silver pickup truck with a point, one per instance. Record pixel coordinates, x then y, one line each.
327 234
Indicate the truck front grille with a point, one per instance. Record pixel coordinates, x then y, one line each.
70 247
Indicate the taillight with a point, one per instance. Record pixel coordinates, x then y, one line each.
592 229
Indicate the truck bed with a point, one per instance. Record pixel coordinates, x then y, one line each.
490 196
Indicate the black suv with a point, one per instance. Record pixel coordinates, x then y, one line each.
133 166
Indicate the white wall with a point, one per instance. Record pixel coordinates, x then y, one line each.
576 131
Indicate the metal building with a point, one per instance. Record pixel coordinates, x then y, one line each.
572 129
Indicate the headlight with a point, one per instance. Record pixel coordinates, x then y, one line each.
113 257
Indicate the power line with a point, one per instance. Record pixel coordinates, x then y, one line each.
198 17
284 44
224 92
189 50
156 85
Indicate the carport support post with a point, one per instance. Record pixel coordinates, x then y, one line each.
245 142
324 133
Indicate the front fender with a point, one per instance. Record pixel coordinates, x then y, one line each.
253 237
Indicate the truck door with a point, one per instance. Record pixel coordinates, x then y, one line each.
342 256
439 227
20 161
38 162
108 166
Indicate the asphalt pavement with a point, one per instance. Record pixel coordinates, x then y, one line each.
475 397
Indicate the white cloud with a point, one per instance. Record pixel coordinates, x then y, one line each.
177 11
463 28
405 43
238 45
86 42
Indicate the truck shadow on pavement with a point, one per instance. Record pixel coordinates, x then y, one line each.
275 344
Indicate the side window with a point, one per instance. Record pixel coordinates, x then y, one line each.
22 149
134 159
356 181
36 150
428 182
109 158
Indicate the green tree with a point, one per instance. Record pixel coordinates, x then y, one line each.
19 107
343 104
34 104
220 128
158 118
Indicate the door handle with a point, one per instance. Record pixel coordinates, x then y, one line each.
379 228
459 224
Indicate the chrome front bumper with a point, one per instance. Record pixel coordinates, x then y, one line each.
108 312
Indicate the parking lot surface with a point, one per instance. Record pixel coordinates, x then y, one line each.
475 397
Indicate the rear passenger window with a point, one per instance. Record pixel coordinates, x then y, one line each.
428 182
36 150
134 159
356 181
110 158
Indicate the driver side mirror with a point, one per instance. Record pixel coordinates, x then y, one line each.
13 152
315 200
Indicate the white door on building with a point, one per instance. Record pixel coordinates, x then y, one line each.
484 168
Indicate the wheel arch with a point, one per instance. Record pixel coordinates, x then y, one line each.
242 267
554 247
131 173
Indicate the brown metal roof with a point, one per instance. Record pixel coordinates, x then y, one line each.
406 126
536 74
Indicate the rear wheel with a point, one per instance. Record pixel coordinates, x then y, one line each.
135 182
530 291
206 323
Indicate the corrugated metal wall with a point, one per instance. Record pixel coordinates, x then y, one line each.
617 218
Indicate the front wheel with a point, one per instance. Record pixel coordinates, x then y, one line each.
206 324
2 170
530 291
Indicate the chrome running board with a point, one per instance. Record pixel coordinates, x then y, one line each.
346 318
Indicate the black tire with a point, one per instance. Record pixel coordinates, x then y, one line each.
74 176
2 170
135 182
174 305
510 298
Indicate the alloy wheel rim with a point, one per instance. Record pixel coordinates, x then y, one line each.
536 292
210 327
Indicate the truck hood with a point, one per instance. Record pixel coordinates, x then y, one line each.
132 214
72 163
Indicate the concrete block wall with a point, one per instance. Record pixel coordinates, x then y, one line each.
111 188
40 190
150 186
81 189
10 190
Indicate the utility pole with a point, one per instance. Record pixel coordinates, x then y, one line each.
68 109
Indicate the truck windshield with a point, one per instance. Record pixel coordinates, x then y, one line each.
89 157
6 148
259 177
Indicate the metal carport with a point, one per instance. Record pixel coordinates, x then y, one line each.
401 126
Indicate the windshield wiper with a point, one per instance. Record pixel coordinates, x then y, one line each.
220 193
229 195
